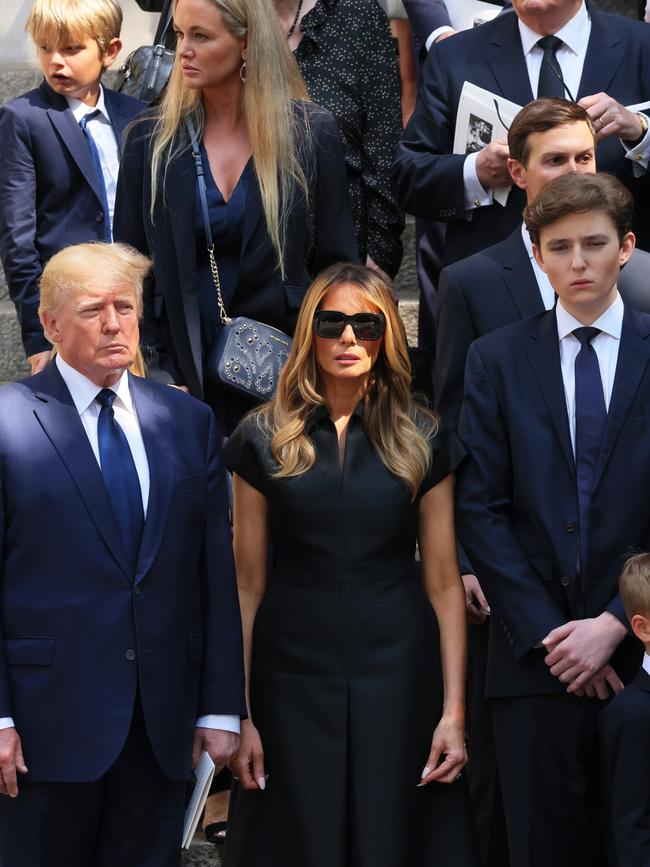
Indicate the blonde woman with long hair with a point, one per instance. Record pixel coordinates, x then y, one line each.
276 189
352 752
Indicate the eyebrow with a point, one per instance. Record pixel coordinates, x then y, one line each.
598 236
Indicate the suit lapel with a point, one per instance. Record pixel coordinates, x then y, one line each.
633 356
519 277
118 120
66 126
153 418
60 420
506 60
544 356
642 680
605 53
181 189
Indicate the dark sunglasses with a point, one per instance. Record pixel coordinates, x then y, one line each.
330 324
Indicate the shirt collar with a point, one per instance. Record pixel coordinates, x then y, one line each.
80 109
574 34
321 412
610 322
528 244
83 392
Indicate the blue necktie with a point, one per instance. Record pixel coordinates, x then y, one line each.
120 475
97 165
591 415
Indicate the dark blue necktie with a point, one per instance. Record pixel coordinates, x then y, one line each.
97 165
551 82
120 475
591 415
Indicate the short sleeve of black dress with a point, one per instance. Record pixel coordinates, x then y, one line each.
247 454
447 454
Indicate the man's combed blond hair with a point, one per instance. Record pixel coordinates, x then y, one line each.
66 21
277 127
399 430
93 265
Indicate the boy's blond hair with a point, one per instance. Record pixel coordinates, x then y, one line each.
66 21
634 585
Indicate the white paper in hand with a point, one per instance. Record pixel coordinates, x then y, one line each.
203 774
464 14
482 117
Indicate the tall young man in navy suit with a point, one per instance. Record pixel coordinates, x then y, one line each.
59 151
121 654
602 60
551 499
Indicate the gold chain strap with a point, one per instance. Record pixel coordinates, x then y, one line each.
225 320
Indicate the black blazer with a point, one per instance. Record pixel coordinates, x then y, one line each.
625 756
517 495
320 236
429 177
491 289
49 195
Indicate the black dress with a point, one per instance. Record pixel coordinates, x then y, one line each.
348 59
345 679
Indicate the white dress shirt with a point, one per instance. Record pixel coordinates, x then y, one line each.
101 129
605 344
571 59
543 283
83 393
646 658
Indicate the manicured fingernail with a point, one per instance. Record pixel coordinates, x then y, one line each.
261 782
425 773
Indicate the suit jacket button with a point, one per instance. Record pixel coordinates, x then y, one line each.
564 581
130 654
137 591
570 527
99 217
511 640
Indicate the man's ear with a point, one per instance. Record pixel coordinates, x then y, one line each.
641 627
627 247
518 173
537 253
112 50
50 326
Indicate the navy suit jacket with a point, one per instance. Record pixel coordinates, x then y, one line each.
491 289
171 328
429 176
80 632
49 195
625 735
517 495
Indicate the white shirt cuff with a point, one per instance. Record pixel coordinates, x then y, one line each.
6 722
436 33
225 722
639 154
475 195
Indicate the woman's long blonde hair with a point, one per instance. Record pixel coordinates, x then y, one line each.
277 130
398 429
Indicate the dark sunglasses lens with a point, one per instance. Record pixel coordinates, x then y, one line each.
368 326
329 324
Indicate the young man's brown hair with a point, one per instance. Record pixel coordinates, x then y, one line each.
576 193
634 585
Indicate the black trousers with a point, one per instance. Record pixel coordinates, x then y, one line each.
130 817
548 757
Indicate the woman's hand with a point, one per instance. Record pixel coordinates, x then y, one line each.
448 743
248 764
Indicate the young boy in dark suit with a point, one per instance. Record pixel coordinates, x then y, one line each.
59 151
626 732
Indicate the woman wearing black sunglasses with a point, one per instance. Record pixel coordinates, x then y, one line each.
349 737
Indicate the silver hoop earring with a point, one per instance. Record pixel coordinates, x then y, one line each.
242 71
